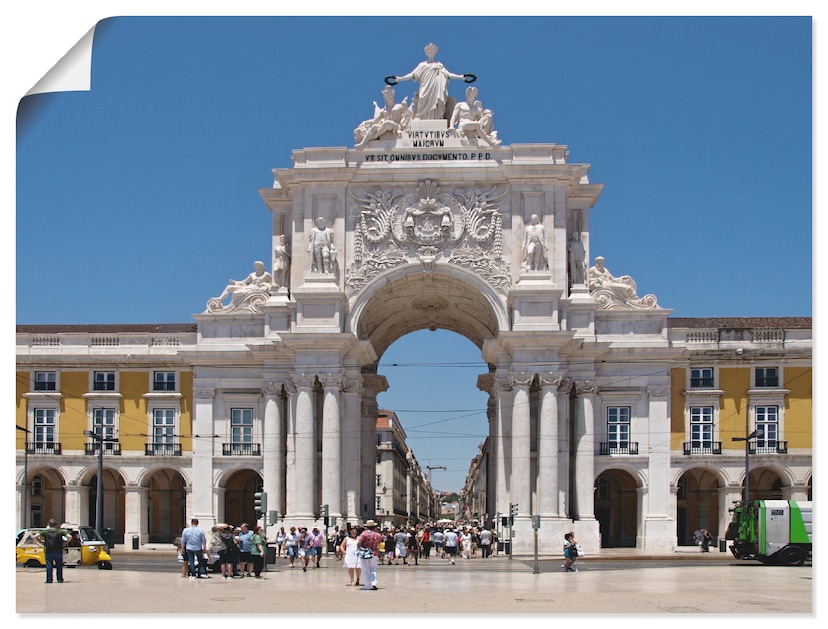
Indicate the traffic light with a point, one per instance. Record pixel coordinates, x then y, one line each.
323 511
260 503
513 511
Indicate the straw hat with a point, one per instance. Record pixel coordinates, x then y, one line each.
370 524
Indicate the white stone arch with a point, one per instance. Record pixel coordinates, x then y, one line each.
635 472
721 473
412 297
34 470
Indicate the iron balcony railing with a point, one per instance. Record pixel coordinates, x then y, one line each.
702 447
162 449
701 383
108 448
43 447
619 447
768 447
241 449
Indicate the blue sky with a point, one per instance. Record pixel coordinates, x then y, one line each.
138 200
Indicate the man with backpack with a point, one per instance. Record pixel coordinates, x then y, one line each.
54 539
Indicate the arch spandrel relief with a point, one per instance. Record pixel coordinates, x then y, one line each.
462 227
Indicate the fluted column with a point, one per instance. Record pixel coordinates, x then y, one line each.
351 454
562 490
273 442
520 489
584 453
304 470
503 449
332 445
548 448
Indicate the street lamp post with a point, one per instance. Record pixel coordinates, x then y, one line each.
99 495
746 439
24 516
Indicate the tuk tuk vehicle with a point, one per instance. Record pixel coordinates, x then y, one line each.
85 548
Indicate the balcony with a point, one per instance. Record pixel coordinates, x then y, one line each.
109 448
43 447
701 383
609 448
768 447
702 447
162 449
241 449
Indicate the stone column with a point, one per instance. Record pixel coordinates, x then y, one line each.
332 446
658 529
351 455
302 504
76 505
584 506
562 490
368 449
135 514
520 488
201 500
273 442
548 448
503 449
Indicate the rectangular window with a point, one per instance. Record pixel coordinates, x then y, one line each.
767 425
104 425
701 378
618 427
163 430
44 428
164 381
104 381
379 503
379 480
44 381
767 376
701 429
241 425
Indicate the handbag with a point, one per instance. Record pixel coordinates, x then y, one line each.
580 551
364 553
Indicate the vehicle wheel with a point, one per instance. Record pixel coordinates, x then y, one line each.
104 565
33 563
792 556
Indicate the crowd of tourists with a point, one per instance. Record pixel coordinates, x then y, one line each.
242 550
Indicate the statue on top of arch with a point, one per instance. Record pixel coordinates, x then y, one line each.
468 120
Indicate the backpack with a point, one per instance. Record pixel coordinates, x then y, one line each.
54 541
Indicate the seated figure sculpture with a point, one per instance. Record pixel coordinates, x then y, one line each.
247 294
616 292
472 121
388 120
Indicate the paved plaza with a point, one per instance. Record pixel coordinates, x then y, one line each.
618 582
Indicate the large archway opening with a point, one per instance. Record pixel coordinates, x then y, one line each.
432 389
427 325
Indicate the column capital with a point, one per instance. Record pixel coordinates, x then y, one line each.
271 389
550 379
204 393
585 387
303 380
521 379
332 380
565 386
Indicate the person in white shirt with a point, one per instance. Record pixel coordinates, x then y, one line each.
450 544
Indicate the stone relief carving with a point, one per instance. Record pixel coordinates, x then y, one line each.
473 121
550 379
585 387
248 294
433 78
463 228
611 292
322 249
281 263
534 246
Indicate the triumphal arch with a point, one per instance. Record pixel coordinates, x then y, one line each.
432 220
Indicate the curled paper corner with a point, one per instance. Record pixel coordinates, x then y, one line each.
73 73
